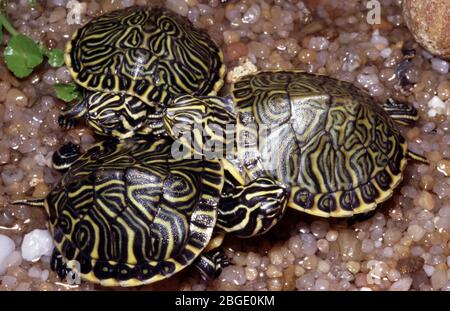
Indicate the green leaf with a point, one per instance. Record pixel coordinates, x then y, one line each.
67 92
22 55
55 58
32 3
1 33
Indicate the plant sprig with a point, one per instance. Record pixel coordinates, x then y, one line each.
67 91
22 54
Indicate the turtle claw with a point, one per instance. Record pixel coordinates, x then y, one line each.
66 123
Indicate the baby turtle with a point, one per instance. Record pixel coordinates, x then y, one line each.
332 145
149 54
126 213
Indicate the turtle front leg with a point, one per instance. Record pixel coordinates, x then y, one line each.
57 264
210 264
402 113
252 209
70 115
66 156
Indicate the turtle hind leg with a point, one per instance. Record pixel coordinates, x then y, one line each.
401 112
66 156
57 264
417 157
210 264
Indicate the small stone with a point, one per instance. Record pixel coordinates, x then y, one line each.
440 65
332 235
251 273
321 285
393 275
439 278
233 274
323 266
310 262
7 247
353 266
309 245
274 271
349 246
235 51
416 232
253 260
367 246
276 256
252 15
403 284
428 270
178 6
443 166
319 228
323 246
419 278
425 200
37 243
443 90
318 43
15 97
410 264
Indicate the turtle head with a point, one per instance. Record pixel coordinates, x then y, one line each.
194 121
252 209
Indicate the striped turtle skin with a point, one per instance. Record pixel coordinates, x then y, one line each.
335 147
150 53
132 215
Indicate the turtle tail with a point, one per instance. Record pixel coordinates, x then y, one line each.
30 202
417 157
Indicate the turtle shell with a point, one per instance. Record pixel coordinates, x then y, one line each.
150 53
129 214
332 143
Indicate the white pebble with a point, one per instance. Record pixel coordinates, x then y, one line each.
252 15
440 65
37 243
437 106
318 43
401 285
7 246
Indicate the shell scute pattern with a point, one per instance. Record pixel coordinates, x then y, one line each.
150 53
333 144
130 214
